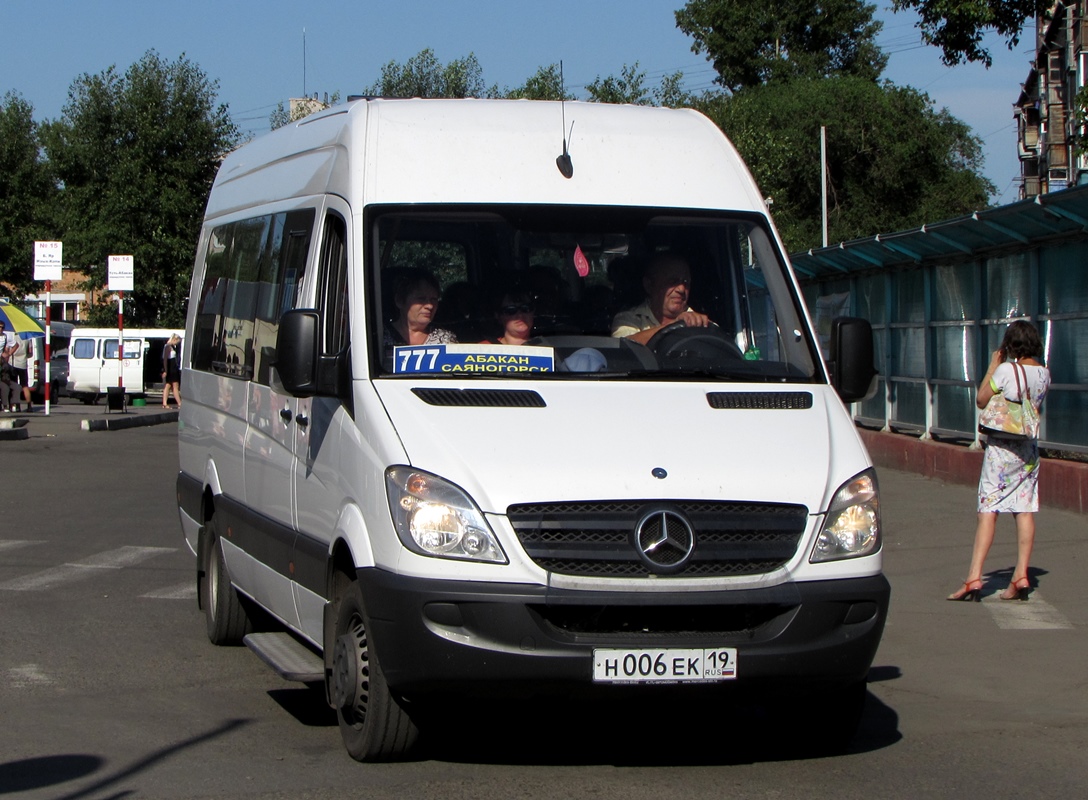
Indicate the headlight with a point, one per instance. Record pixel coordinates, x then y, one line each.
435 518
852 525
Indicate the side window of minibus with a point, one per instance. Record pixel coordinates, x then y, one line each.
82 348
333 300
282 267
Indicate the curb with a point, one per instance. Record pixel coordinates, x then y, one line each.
13 428
128 421
1062 484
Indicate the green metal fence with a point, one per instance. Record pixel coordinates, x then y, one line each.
939 300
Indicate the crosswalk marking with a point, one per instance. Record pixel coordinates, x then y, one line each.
123 557
1036 614
183 591
27 675
15 544
111 559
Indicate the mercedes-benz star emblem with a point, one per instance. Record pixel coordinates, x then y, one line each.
665 540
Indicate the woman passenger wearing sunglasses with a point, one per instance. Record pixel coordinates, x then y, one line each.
515 315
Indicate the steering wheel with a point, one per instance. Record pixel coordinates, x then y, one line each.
699 347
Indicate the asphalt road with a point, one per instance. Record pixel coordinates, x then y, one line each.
110 689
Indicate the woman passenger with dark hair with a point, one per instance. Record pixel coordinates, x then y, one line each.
515 314
416 297
1010 467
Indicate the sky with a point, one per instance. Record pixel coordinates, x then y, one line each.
263 52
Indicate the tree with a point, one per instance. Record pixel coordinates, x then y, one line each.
136 155
630 87
1080 121
893 161
671 94
279 117
27 192
545 84
423 75
957 26
752 43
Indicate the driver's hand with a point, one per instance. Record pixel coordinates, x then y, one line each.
693 319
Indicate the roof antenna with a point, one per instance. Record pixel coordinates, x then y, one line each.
566 166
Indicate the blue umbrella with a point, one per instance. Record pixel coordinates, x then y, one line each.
17 321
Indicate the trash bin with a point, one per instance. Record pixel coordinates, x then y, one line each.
115 399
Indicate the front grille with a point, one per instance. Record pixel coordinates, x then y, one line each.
595 539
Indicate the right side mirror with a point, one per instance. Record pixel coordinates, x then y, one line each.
851 361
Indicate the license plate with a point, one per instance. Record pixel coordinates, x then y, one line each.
669 665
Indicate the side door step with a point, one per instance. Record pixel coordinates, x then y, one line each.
290 658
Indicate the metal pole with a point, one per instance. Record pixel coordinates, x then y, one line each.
120 339
823 178
48 334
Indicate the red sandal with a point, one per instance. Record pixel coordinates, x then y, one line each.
970 591
1018 590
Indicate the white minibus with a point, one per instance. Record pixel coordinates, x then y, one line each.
94 366
432 504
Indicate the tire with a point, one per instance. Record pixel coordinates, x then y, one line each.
373 723
843 717
224 614
824 721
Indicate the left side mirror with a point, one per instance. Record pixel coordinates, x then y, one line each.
296 352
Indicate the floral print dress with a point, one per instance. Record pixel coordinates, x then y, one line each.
435 336
1010 467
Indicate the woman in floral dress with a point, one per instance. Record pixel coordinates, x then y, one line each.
1010 467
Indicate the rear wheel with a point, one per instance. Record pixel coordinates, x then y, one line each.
224 614
373 723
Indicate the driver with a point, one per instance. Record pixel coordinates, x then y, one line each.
666 281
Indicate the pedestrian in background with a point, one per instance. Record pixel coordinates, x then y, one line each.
171 371
1010 467
7 339
20 354
9 387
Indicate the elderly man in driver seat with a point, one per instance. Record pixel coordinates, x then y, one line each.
667 283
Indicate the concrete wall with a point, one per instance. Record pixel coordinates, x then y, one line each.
1062 484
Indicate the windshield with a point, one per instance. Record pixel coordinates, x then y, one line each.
534 292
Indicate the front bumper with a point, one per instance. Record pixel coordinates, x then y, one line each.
435 635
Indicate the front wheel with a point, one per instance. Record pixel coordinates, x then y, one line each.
823 720
224 614
373 723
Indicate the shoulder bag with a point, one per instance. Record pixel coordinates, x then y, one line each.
1011 419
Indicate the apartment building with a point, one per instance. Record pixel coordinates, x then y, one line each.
1046 109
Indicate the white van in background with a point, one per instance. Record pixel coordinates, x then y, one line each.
694 518
93 365
59 333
